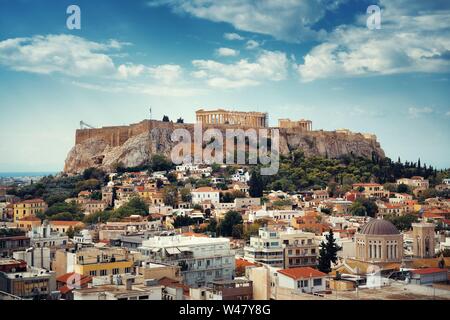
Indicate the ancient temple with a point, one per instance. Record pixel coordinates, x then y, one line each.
225 117
302 124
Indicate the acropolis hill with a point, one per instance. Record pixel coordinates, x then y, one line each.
134 144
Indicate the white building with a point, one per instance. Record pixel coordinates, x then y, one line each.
42 236
265 248
277 215
415 182
202 194
306 279
202 259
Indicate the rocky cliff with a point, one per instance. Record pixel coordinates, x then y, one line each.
135 144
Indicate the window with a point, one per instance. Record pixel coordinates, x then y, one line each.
317 282
302 283
103 273
93 273
115 271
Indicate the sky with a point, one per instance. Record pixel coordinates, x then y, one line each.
314 59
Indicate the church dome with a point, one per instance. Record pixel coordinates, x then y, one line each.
379 227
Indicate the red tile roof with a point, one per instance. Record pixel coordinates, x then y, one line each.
241 263
303 272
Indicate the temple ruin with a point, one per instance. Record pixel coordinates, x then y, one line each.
225 117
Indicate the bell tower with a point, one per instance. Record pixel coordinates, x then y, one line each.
423 237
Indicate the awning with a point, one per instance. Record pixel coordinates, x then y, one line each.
173 251
184 249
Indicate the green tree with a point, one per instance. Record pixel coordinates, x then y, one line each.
165 118
255 184
328 252
402 223
231 219
185 194
364 207
170 195
402 188
160 163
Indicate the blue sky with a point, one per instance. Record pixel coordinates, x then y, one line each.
299 59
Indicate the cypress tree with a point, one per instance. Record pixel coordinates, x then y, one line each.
328 252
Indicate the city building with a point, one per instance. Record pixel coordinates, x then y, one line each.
282 248
415 182
202 259
100 261
423 240
305 279
28 208
371 190
11 244
379 241
19 279
238 289
203 194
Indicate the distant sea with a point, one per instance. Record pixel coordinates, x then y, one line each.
26 174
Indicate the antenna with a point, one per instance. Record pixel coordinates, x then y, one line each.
150 109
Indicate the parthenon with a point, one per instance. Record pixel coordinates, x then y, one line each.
302 124
221 116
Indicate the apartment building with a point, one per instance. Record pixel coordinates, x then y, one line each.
371 190
100 261
19 279
202 259
283 248
28 208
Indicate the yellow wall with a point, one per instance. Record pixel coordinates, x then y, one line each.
26 209
87 268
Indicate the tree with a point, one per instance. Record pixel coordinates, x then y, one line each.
402 223
165 118
183 221
364 207
255 184
402 188
185 194
170 195
160 163
180 120
328 253
231 219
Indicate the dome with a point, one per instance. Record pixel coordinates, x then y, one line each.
379 227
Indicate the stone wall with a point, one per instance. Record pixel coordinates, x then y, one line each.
134 144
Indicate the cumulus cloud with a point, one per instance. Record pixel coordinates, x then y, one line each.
290 20
65 54
233 36
414 112
268 66
77 57
407 42
227 52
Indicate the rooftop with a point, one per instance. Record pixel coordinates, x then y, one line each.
301 273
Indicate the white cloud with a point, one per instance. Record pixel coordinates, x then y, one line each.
447 113
269 66
251 44
227 52
233 36
417 112
290 20
405 43
141 88
167 73
65 54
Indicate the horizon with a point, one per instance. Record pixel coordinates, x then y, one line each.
302 61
